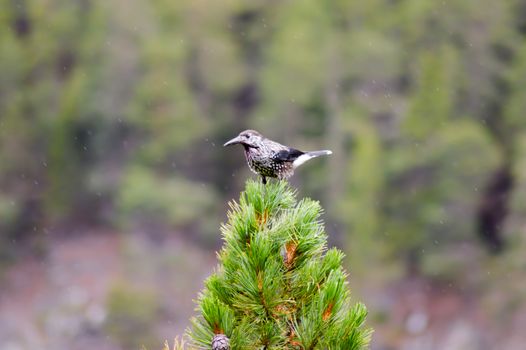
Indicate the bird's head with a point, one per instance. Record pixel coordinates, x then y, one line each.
248 138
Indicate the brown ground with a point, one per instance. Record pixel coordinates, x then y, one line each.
59 302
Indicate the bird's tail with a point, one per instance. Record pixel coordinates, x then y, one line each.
308 156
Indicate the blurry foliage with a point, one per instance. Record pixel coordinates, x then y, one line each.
516 223
115 113
149 197
428 192
131 317
514 109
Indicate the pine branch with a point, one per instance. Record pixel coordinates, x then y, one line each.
277 286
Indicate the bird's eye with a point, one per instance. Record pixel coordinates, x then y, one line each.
246 136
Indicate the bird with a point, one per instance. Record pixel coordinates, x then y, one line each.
269 158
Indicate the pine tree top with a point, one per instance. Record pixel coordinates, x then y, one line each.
277 286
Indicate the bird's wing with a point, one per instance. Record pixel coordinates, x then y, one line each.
288 155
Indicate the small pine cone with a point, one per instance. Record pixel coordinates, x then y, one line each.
220 342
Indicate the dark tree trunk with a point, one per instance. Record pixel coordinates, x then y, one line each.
493 208
21 21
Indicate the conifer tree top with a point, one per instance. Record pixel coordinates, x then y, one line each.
277 286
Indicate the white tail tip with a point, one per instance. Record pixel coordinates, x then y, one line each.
308 156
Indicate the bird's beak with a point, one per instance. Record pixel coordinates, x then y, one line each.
234 141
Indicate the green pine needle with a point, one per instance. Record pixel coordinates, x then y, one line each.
277 286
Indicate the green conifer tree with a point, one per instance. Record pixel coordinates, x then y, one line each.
277 286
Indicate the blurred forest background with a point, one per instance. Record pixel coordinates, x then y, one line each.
114 181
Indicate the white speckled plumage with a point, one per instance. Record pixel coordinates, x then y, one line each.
269 158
